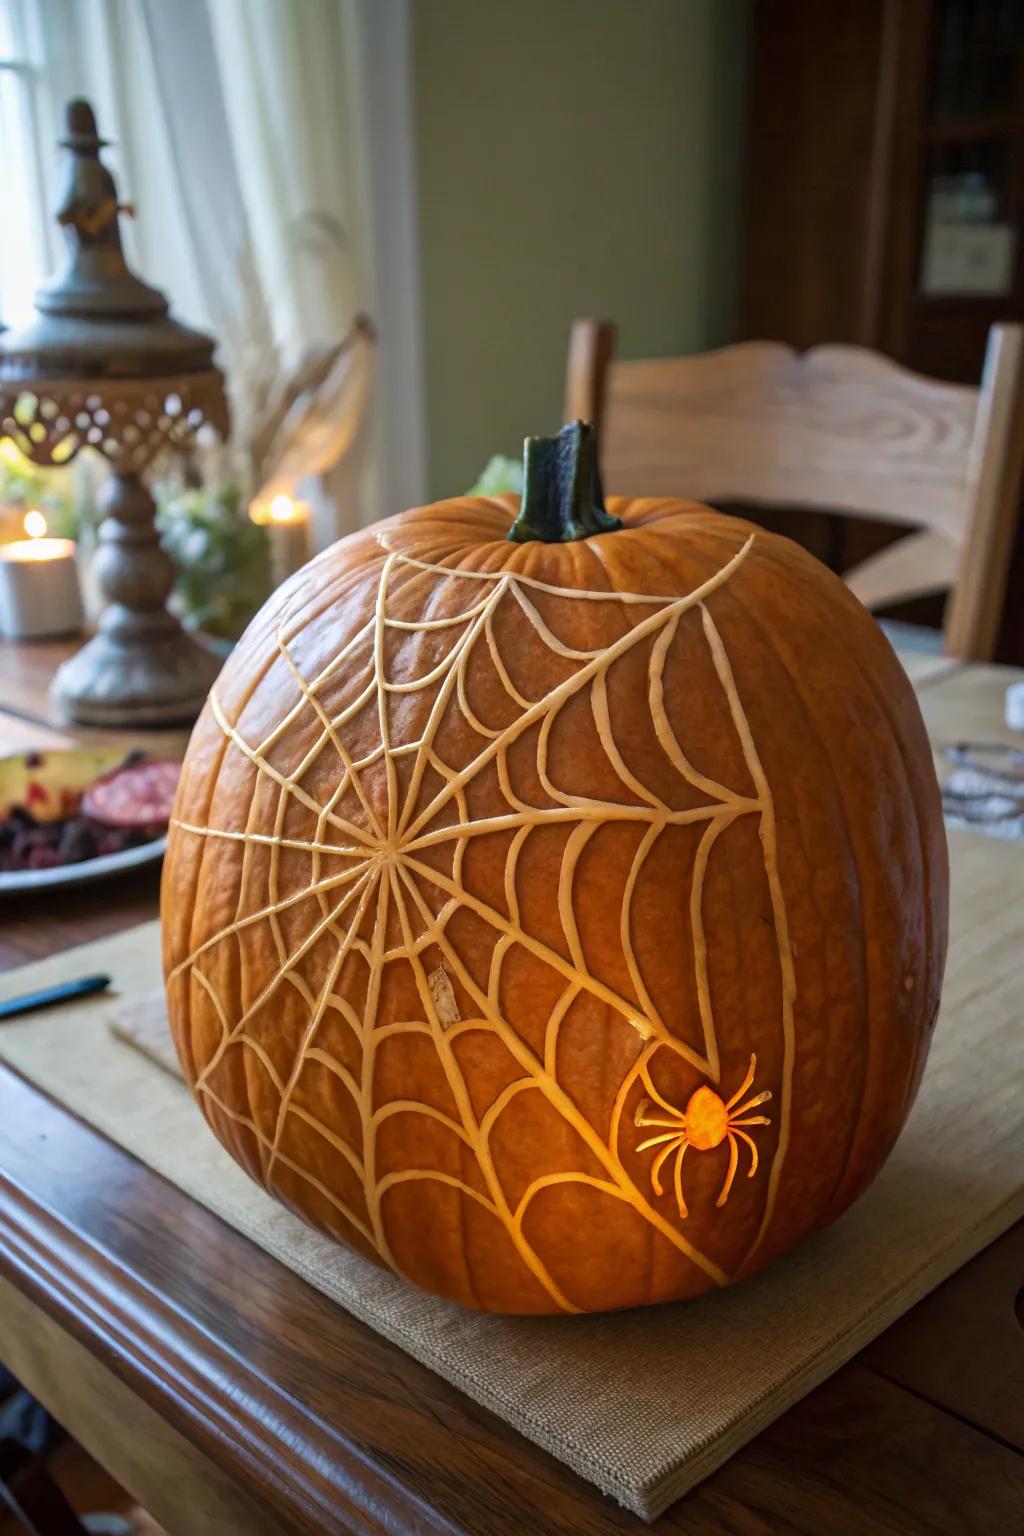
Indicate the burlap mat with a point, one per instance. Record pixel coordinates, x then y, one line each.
644 1404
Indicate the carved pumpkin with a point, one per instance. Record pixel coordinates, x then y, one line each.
557 916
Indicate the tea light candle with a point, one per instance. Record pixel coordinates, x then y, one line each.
39 592
288 530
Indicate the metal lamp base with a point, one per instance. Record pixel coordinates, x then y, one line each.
160 678
141 668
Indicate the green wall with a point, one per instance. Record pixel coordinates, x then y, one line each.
574 157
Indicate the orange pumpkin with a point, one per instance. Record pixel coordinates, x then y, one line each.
559 919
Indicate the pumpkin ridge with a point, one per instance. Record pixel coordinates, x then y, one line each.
799 695
871 1050
192 905
884 705
456 1079
769 839
786 1090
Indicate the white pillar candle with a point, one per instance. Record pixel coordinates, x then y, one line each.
288 533
39 591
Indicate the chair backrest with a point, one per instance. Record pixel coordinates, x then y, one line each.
839 429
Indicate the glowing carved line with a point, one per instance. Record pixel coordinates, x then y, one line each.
574 594
554 1092
343 1209
553 701
301 1055
256 756
597 812
769 843
457 1085
307 944
369 1061
230 930
541 951
302 845
350 775
434 719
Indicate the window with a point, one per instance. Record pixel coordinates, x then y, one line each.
27 245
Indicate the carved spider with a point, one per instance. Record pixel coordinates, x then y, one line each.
706 1122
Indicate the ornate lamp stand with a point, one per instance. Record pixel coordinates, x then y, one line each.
105 366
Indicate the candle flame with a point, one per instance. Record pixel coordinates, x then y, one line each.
34 525
278 510
281 509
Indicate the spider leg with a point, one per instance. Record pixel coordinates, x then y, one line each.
759 1098
741 1090
659 1162
656 1095
750 1120
731 1172
679 1179
753 1152
656 1141
643 1118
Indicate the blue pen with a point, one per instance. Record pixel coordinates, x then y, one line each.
28 1002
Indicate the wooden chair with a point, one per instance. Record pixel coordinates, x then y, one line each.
838 429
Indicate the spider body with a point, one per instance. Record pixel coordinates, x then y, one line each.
705 1123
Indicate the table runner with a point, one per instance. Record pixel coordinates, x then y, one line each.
644 1404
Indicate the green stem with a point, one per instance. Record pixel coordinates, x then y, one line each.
562 497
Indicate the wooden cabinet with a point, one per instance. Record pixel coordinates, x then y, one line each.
873 123
885 186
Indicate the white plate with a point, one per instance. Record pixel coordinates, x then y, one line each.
82 872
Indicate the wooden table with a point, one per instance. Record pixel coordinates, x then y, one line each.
230 1397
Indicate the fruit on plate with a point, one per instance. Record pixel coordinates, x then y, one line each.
555 905
138 794
49 784
67 807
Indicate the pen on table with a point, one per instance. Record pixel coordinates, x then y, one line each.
28 1002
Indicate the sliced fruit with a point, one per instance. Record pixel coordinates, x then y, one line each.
137 795
49 784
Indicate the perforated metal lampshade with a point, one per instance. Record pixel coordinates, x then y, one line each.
104 365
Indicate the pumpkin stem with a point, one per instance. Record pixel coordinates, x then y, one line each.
562 496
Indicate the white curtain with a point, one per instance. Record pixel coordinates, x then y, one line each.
237 135
28 236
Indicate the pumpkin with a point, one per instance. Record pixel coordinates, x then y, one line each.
555 902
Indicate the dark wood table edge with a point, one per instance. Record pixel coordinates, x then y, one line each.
436 1464
162 1354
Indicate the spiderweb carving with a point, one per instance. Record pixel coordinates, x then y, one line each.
383 808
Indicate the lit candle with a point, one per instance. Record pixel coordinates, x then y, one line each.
288 528
39 592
